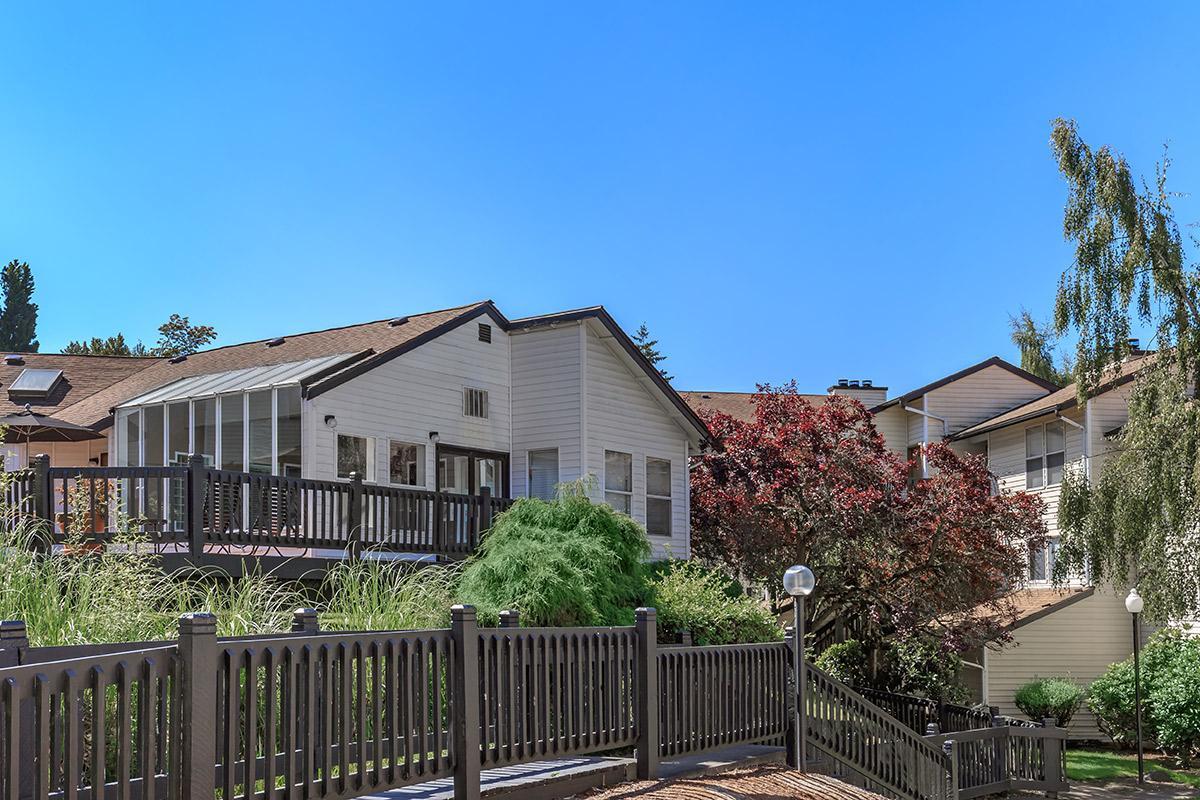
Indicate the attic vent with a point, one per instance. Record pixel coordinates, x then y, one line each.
34 384
278 340
397 321
14 360
177 359
485 332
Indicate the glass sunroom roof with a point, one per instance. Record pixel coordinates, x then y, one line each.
237 380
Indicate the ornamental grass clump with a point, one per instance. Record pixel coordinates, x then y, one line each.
1050 697
559 563
375 594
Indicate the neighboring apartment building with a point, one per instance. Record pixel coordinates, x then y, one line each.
1030 431
452 400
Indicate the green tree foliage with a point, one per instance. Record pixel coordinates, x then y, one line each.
1036 345
561 562
110 346
18 319
847 662
1141 514
649 348
1170 684
691 598
179 337
1050 697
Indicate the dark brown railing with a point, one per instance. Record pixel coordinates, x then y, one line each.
711 697
197 507
870 742
919 712
1007 758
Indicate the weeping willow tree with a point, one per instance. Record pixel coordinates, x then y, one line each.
1137 520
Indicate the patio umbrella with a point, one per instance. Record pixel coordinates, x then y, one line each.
29 426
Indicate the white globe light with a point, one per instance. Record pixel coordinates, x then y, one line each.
799 581
1134 602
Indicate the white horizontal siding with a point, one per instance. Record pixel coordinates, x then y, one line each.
979 396
892 424
1006 459
622 414
413 394
547 400
1076 642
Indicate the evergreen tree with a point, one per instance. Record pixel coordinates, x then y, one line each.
1036 344
18 319
649 348
111 346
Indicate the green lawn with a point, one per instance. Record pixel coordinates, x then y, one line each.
1099 765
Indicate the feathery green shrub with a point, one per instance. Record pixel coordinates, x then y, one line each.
689 597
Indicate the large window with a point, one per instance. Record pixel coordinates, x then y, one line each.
1045 447
618 480
354 454
406 463
258 431
543 473
658 497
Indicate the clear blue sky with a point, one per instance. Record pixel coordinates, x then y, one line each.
779 190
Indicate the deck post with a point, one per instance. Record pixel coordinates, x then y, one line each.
355 522
510 619
43 498
464 631
198 659
647 694
484 518
950 748
304 620
194 507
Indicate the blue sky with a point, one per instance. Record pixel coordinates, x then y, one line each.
779 190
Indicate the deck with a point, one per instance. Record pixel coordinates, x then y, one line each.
195 515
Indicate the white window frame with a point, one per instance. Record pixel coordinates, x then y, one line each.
1044 456
371 444
421 456
1046 556
607 491
668 497
529 467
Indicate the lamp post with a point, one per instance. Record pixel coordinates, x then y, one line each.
1134 605
799 581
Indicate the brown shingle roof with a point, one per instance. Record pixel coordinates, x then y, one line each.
1034 603
739 405
382 339
1060 400
83 377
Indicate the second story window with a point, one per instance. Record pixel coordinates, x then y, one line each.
618 480
475 403
1045 454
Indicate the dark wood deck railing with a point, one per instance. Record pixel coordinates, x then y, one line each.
198 508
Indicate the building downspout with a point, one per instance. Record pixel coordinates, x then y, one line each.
925 417
1087 440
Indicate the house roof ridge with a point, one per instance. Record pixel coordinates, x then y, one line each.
992 361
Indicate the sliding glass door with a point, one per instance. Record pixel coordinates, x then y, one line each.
465 471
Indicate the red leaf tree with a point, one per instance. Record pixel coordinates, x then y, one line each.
817 485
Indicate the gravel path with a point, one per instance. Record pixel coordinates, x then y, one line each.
761 783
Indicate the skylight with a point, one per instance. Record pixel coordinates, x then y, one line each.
34 383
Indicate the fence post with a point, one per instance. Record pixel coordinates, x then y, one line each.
304 620
510 619
464 630
1052 750
194 506
950 748
198 660
43 497
485 513
1001 744
355 521
647 685
13 642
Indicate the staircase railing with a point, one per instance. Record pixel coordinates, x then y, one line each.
880 749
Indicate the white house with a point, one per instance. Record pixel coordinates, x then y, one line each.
452 400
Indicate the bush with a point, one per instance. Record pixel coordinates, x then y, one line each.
1170 696
1050 697
689 597
923 667
561 562
846 661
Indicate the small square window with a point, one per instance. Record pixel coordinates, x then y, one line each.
406 464
353 455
